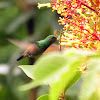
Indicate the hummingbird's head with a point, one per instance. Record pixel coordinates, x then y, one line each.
51 38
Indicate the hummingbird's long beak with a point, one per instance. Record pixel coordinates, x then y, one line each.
20 58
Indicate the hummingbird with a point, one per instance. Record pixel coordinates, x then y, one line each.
38 47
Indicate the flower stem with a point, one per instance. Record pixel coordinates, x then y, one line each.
89 7
60 41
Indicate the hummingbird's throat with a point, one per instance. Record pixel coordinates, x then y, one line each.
43 45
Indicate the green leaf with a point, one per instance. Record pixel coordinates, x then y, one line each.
91 81
44 97
29 85
76 77
46 69
54 67
67 79
28 69
48 65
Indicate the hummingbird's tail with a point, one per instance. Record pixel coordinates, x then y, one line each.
20 58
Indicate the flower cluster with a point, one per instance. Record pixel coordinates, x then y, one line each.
81 20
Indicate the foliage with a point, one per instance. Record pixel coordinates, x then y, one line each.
60 71
44 97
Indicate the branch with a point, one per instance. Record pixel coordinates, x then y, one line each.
89 7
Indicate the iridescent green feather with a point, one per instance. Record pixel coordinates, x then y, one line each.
44 44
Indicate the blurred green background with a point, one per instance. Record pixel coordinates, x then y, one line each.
21 20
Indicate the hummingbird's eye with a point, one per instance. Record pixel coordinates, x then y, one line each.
54 38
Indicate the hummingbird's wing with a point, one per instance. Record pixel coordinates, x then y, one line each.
31 51
21 44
